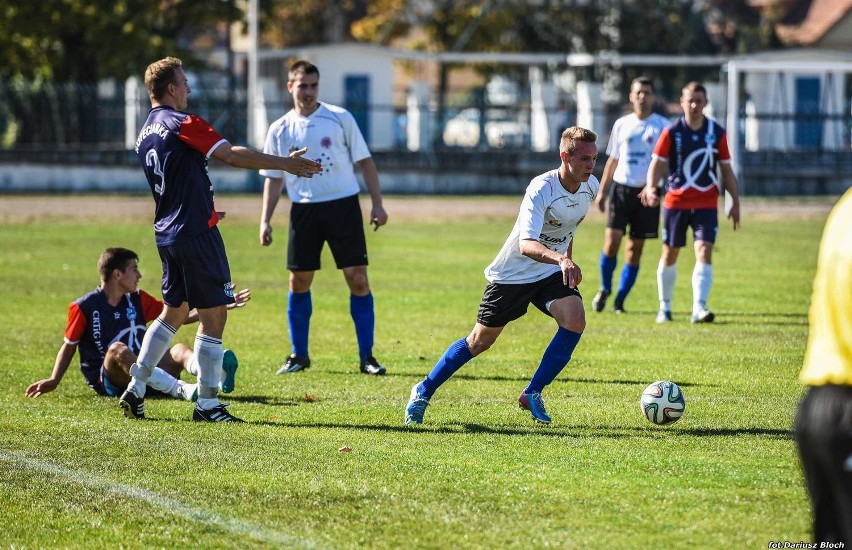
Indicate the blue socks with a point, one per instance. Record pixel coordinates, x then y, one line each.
555 357
607 266
628 277
364 317
453 359
299 310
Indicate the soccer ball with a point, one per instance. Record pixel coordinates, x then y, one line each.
662 402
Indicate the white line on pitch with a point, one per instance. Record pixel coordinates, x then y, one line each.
168 504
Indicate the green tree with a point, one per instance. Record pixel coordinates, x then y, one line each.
89 40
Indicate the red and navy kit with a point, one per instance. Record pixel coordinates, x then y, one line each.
94 324
173 148
692 156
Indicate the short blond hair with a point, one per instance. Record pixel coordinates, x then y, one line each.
572 135
159 75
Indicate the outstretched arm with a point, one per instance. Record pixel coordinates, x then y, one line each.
243 157
240 298
60 366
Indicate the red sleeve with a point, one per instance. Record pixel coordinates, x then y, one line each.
724 153
151 307
76 326
664 144
198 134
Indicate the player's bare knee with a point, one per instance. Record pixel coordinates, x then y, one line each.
300 281
117 350
357 281
574 324
571 318
480 341
704 251
478 346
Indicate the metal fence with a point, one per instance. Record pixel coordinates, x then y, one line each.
79 118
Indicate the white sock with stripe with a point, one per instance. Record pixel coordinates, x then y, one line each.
162 381
208 354
666 276
702 280
156 342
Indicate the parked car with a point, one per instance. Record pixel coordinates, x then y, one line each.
502 129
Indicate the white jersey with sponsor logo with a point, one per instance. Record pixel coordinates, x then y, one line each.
632 143
550 215
332 137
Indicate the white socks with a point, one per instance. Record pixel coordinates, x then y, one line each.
157 339
666 276
163 381
208 355
193 368
702 280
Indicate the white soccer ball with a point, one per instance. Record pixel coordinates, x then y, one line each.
662 402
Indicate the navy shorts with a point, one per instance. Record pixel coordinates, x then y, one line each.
704 223
197 272
625 208
503 303
338 222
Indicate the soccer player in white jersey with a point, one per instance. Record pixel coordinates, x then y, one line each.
324 208
535 266
631 144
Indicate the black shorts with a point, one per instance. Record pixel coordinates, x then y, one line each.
625 209
503 303
338 222
197 272
704 223
824 435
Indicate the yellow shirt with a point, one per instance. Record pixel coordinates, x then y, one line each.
828 359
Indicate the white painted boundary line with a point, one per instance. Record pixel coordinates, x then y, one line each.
162 502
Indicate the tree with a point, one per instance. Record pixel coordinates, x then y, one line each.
90 40
286 23
53 53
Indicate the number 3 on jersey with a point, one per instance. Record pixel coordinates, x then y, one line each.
153 161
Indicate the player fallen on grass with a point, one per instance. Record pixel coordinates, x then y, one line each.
173 148
107 326
535 266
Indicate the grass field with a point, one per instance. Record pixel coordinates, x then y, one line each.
479 473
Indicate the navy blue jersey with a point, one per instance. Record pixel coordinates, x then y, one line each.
94 324
173 148
692 156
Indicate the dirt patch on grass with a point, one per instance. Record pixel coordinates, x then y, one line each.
113 208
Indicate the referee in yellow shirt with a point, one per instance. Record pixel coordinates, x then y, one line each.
824 418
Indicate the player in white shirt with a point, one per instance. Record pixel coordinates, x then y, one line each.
631 145
534 266
323 209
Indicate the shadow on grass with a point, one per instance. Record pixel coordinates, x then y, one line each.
725 318
544 431
525 379
262 400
